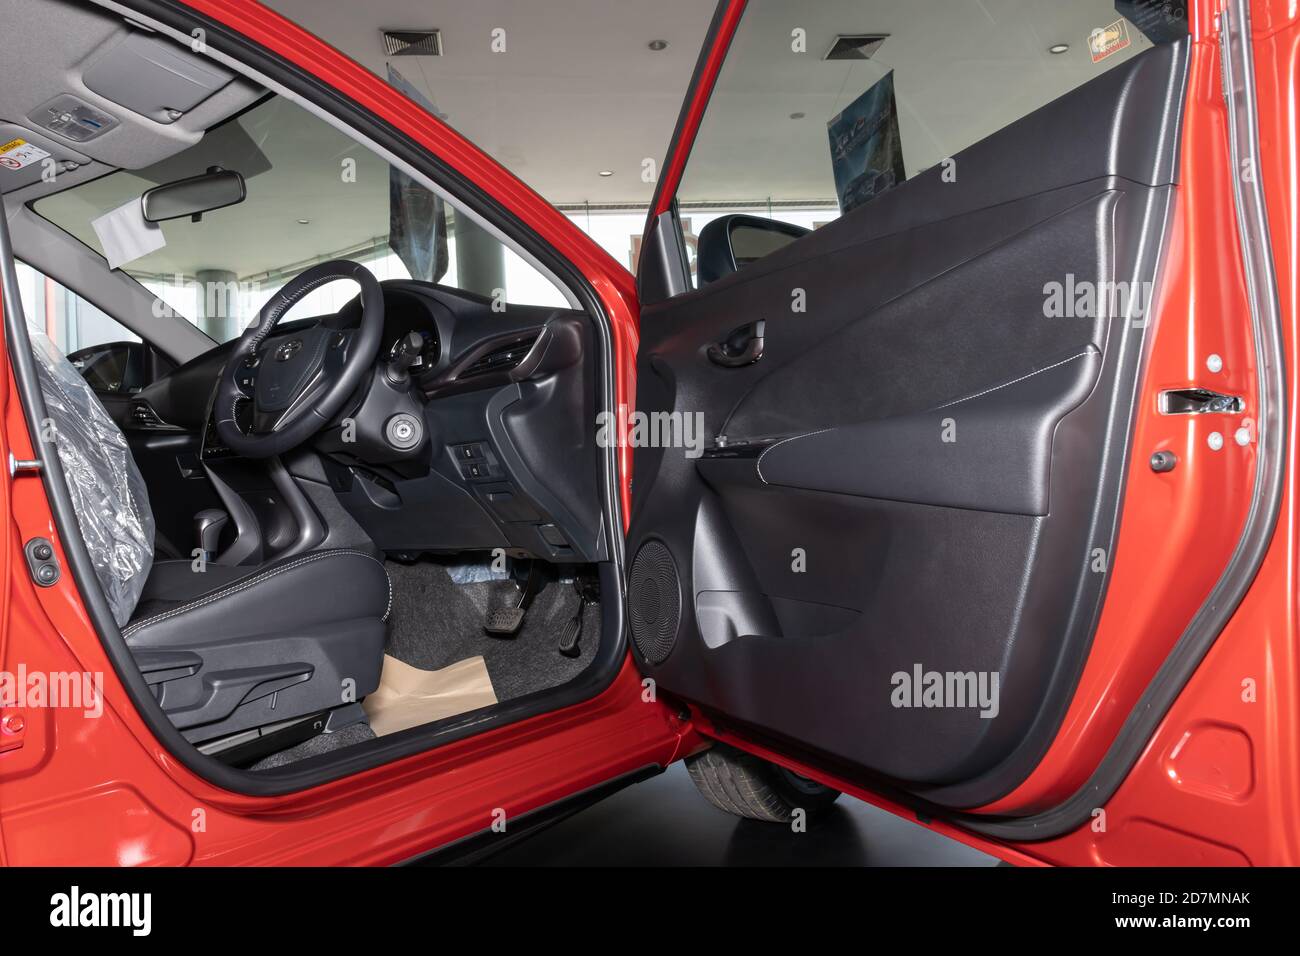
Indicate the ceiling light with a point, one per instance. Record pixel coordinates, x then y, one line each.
304 222
606 173
658 45
798 115
1058 48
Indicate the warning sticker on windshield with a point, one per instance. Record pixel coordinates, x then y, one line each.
18 153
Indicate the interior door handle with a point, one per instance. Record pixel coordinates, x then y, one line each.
742 346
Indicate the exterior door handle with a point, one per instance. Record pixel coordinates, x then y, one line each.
742 346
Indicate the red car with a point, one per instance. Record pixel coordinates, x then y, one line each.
960 481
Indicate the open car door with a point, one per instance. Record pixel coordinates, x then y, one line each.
991 453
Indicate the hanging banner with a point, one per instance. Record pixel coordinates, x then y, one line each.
866 151
417 220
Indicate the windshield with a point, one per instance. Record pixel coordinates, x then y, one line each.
313 194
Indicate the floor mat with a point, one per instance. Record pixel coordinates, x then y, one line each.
409 697
436 622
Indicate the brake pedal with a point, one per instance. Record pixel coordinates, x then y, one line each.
506 621
588 593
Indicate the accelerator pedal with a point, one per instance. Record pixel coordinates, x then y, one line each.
588 593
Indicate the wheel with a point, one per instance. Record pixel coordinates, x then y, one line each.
747 786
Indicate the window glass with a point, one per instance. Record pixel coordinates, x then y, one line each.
313 194
821 107
68 320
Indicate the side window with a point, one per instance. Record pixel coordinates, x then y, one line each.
70 322
820 108
112 358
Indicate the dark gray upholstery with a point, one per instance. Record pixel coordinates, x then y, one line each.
180 606
224 648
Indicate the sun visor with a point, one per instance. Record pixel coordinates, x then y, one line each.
155 77
26 155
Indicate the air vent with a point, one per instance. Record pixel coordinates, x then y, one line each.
144 417
501 359
858 46
413 42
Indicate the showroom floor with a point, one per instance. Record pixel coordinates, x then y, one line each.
664 822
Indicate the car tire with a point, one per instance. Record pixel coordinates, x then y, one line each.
747 786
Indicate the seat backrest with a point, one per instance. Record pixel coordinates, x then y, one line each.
108 491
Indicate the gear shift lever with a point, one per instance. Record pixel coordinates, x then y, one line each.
208 525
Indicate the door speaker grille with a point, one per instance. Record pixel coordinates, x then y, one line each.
655 605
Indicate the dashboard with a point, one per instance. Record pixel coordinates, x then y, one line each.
506 409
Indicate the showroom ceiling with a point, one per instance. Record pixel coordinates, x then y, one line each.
578 90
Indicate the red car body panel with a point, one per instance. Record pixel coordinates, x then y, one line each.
1218 783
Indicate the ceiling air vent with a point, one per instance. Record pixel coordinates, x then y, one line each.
413 42
857 46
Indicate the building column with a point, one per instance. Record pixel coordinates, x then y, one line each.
218 309
480 258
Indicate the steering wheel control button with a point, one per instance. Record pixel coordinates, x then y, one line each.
403 431
41 562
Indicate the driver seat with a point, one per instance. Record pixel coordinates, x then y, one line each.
225 649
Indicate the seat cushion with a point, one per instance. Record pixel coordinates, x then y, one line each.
180 607
176 582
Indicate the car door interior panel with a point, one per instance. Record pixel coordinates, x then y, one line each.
1001 462
919 467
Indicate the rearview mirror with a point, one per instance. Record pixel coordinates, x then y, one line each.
732 242
194 196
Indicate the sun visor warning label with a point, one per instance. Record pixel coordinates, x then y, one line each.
18 153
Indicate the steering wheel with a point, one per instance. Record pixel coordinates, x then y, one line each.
300 381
